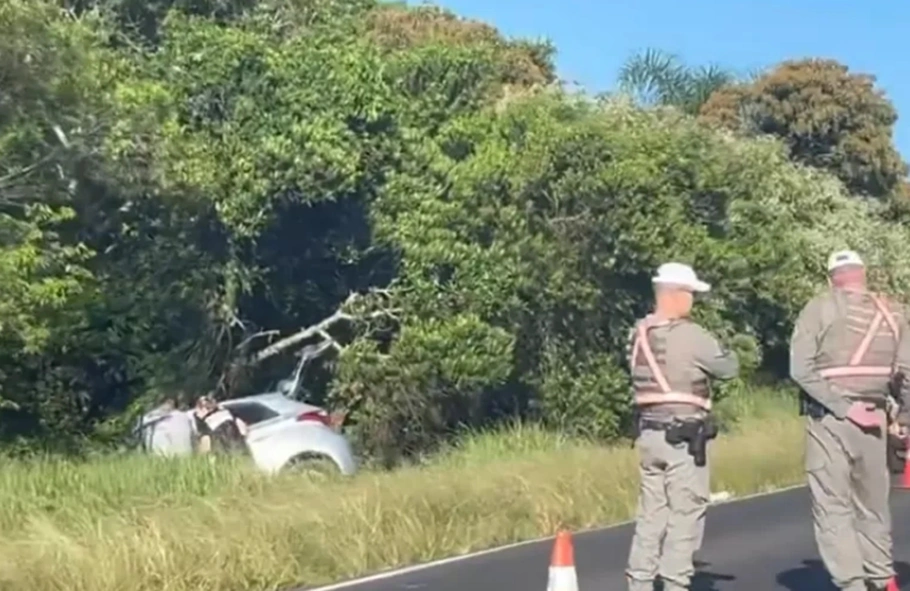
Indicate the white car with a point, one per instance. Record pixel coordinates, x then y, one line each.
287 434
283 433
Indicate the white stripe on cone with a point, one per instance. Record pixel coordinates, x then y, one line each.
562 578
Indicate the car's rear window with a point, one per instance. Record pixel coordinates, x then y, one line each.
252 412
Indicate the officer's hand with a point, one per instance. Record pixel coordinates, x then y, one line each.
864 415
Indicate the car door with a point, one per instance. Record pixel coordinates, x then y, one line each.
263 422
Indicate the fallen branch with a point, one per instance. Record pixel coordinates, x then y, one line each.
258 335
320 329
302 335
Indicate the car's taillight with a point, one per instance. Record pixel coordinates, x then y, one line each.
318 416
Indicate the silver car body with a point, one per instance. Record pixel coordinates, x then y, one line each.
283 431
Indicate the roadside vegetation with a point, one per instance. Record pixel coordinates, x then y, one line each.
146 525
191 191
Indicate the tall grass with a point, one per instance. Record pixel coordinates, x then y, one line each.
144 524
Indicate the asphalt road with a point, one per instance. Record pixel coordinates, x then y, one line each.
759 544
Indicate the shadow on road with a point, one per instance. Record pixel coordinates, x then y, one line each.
702 580
813 576
705 580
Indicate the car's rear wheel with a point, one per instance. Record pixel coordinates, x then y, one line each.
312 465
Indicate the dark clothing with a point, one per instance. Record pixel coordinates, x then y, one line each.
220 426
897 453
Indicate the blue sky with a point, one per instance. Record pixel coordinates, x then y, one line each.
594 38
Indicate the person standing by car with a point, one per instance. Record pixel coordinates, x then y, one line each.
166 430
218 429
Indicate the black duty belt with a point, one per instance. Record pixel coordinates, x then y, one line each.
811 407
652 425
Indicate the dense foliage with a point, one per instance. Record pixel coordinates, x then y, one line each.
827 116
183 182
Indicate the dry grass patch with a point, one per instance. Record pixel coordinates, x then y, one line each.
132 523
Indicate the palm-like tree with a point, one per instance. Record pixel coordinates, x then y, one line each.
658 78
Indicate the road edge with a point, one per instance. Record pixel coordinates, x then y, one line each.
722 498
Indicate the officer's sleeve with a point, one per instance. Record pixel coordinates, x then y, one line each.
711 357
804 350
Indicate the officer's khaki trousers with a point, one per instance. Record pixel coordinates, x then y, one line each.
849 482
672 502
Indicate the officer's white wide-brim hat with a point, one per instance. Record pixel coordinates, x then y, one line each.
843 258
680 275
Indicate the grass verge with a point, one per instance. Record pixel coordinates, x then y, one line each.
139 524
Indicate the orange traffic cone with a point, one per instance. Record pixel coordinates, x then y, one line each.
892 585
562 565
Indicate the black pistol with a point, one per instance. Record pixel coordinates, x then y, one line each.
698 442
696 434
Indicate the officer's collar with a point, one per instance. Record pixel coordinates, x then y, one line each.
652 321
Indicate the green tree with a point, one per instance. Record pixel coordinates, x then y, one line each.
185 212
50 123
547 222
829 118
655 77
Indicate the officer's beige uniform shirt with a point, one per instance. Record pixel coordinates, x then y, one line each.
692 354
808 337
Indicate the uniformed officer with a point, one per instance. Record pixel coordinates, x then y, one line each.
847 347
218 429
671 359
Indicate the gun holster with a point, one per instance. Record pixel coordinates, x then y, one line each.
810 407
897 453
895 387
635 426
694 432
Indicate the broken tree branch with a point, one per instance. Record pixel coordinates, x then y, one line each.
258 335
320 329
